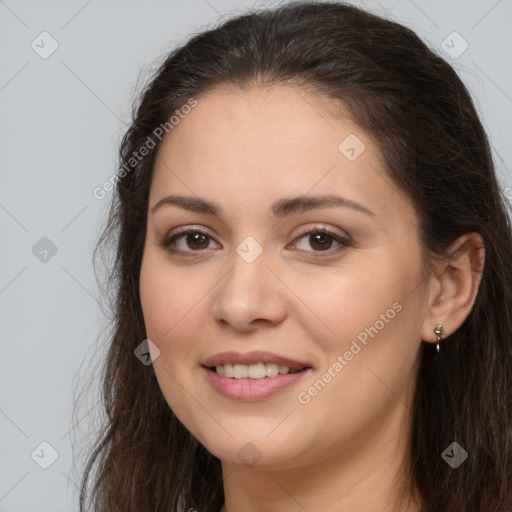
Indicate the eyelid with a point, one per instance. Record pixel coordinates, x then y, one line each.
343 240
322 228
182 230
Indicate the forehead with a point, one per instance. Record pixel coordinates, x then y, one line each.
280 117
240 145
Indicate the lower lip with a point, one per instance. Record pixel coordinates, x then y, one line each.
252 389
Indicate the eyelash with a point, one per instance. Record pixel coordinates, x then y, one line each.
343 241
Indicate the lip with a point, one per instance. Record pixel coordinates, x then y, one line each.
250 390
254 357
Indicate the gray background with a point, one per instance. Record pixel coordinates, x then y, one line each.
61 121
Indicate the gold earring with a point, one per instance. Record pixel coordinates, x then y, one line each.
439 332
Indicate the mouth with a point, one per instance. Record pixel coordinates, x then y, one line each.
253 382
254 371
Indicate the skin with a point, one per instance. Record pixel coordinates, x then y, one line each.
345 449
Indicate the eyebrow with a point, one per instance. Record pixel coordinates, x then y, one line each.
280 208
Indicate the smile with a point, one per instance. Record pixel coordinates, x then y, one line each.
253 371
252 388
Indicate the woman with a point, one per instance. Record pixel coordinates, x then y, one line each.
313 253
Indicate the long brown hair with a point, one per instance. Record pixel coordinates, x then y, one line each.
435 150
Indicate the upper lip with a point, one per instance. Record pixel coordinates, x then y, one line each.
258 356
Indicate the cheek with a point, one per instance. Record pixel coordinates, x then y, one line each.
341 303
171 306
176 306
369 360
167 296
369 316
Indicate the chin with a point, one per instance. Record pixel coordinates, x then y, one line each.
255 449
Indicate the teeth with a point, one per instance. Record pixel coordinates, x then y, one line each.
253 371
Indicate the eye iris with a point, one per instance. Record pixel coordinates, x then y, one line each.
197 238
321 239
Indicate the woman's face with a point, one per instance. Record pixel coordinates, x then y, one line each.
348 306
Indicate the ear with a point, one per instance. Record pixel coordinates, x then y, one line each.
454 285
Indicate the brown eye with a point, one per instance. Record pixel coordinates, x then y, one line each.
321 240
187 241
197 239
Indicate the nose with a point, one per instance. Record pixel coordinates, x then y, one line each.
249 296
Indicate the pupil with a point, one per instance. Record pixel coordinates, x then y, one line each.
197 237
320 238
